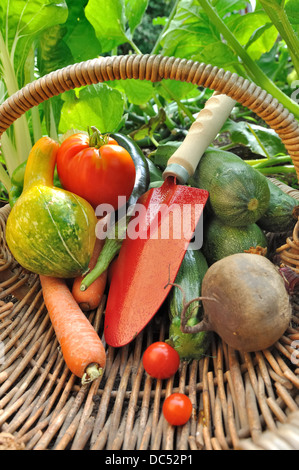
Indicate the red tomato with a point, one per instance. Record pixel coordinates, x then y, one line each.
98 173
177 409
160 360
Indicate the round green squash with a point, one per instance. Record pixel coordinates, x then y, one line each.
50 231
221 240
279 214
238 194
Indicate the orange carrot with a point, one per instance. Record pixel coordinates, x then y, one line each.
82 348
91 297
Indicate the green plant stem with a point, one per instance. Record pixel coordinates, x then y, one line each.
157 45
276 170
21 130
29 77
8 148
173 97
134 46
280 20
267 162
255 162
8 71
259 142
4 178
227 146
279 160
179 103
168 121
252 69
154 141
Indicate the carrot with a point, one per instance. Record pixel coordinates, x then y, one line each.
82 348
90 298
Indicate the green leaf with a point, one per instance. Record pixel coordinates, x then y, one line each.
138 92
218 54
292 11
276 65
227 6
80 36
279 17
193 36
188 32
109 22
53 52
178 89
148 129
274 3
135 10
22 21
241 134
94 105
255 31
115 21
163 152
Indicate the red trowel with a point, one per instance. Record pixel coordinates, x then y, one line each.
164 223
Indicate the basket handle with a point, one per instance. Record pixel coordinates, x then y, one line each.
155 68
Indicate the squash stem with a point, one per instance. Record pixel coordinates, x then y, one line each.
41 163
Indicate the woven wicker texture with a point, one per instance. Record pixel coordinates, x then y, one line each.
240 401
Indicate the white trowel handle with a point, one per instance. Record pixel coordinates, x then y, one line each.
202 133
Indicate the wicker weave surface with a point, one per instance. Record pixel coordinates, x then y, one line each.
240 401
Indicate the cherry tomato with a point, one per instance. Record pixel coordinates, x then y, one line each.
160 360
98 170
177 409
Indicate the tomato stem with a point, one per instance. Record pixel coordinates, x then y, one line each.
96 139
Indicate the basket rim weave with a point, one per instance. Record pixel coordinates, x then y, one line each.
154 68
245 401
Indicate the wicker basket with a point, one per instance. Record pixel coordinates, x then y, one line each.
240 401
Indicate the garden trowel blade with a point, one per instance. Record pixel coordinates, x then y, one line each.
166 219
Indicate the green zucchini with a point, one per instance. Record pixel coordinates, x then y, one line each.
279 215
221 240
189 278
238 194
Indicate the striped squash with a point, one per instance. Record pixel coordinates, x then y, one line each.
50 231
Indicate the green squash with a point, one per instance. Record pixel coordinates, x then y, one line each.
239 194
50 231
279 215
189 277
221 240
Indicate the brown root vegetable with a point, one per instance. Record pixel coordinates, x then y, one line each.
245 302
